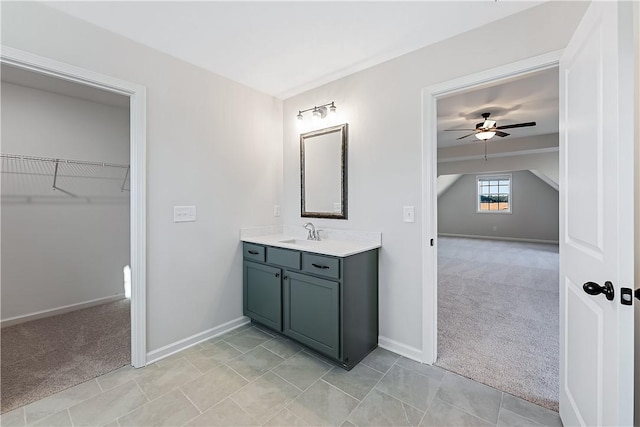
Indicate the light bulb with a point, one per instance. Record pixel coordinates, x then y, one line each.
485 135
332 110
300 118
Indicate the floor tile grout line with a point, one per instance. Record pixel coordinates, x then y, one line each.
69 415
297 397
136 408
526 418
263 374
288 382
261 345
428 377
242 408
190 401
317 357
373 388
99 386
241 376
169 391
338 388
502 393
466 411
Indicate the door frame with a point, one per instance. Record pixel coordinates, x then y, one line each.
430 96
137 146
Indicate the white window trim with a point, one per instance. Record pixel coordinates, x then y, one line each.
504 176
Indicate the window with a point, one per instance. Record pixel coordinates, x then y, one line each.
494 194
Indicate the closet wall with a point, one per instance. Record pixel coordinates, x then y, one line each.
58 250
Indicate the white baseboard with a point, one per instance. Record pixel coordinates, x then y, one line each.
401 349
59 310
183 344
511 239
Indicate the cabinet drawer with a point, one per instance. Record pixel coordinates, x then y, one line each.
283 257
321 265
253 252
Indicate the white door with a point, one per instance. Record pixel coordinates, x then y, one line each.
596 218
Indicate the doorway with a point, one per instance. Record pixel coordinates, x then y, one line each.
431 96
135 179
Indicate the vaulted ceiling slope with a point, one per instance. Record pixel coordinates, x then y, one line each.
286 48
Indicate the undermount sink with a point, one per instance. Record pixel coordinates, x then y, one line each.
301 242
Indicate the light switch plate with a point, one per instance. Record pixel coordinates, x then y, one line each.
184 213
408 214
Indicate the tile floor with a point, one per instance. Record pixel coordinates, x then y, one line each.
248 377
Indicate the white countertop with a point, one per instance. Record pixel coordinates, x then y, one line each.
339 243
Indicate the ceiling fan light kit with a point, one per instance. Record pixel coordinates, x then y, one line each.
487 129
485 135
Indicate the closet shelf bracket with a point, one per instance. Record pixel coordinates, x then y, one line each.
55 178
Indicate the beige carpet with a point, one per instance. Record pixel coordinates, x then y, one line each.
44 356
498 320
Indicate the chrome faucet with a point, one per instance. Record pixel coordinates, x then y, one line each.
313 234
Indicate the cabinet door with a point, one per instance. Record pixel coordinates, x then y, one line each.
312 312
263 294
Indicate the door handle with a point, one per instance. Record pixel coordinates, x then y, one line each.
593 288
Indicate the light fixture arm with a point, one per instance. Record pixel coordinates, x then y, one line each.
319 110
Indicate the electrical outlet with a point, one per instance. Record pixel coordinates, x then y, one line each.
408 214
276 210
184 213
495 227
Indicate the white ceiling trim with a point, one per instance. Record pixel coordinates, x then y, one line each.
505 154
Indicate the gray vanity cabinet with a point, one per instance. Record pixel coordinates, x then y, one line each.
329 304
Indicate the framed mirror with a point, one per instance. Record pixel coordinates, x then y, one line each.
323 173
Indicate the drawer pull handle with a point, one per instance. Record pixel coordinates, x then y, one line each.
324 267
254 252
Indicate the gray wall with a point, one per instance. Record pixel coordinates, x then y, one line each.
204 151
211 142
534 210
383 106
57 250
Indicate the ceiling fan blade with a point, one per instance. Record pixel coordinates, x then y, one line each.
517 125
453 130
502 134
462 137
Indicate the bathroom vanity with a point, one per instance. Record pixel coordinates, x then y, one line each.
323 294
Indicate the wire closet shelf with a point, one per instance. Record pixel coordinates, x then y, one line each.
33 176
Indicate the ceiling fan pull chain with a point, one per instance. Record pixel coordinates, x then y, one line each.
485 150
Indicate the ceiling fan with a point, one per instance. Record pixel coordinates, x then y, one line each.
487 129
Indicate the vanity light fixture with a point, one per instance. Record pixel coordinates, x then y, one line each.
319 111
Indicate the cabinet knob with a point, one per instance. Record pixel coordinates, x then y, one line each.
285 277
277 274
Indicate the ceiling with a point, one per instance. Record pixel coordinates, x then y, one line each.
285 48
529 98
